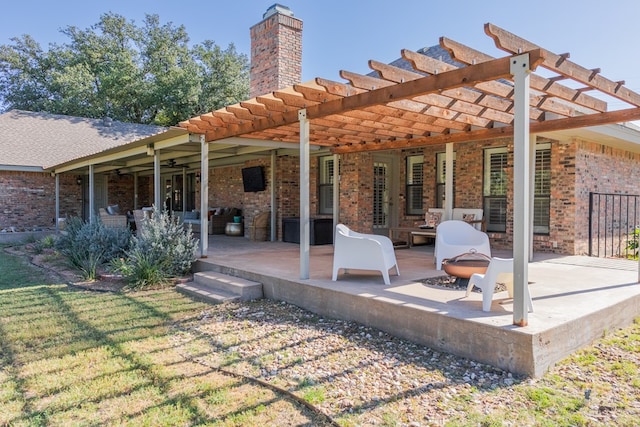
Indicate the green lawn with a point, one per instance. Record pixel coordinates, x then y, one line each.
75 357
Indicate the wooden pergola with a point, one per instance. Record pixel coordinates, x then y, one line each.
433 103
436 102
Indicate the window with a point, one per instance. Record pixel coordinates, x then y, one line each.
495 188
542 189
325 185
415 175
381 194
441 170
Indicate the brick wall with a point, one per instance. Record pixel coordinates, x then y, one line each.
226 189
260 201
356 191
145 191
287 189
27 199
600 169
562 213
120 191
276 54
568 218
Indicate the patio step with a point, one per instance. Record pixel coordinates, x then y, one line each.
216 288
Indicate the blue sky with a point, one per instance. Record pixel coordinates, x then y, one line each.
346 34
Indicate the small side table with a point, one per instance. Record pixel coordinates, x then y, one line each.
234 229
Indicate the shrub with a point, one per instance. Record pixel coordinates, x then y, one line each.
162 248
87 245
47 242
140 269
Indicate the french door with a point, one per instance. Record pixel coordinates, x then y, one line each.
385 194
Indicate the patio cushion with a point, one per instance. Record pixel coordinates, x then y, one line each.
433 219
192 215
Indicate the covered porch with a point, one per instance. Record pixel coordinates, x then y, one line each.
576 300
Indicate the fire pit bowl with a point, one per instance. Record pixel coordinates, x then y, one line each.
464 265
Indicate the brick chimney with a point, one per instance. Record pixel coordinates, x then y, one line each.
276 51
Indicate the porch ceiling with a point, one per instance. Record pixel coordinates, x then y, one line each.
435 102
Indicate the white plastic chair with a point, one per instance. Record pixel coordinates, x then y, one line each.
455 238
363 252
500 270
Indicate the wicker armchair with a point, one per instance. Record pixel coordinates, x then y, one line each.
112 221
258 230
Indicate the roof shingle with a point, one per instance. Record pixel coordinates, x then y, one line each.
41 139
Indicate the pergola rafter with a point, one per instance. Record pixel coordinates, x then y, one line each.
433 102
560 64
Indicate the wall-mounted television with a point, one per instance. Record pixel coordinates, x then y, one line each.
253 179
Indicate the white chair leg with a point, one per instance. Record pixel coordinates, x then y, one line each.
487 297
472 282
469 289
385 276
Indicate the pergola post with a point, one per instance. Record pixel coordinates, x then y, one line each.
304 194
532 191
520 69
272 195
448 181
204 197
336 192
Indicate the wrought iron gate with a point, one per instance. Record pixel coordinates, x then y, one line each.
614 221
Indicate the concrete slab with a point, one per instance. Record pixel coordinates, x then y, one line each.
576 300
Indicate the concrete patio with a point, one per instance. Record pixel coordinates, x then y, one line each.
576 300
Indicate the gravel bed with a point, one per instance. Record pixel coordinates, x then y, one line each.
362 376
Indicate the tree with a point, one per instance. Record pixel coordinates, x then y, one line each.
146 74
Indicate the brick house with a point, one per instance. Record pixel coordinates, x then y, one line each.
392 152
30 142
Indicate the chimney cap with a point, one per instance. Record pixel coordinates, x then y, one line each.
277 8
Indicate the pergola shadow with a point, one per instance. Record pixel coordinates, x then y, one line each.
566 296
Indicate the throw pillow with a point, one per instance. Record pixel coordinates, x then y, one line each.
468 217
113 209
433 219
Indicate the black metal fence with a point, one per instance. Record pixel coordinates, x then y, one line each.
614 221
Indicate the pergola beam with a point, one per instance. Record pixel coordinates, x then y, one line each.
499 94
467 76
467 55
587 120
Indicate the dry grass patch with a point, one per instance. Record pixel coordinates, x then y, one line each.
156 357
72 357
